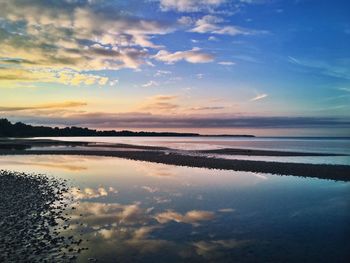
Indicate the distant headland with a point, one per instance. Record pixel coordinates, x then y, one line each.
19 129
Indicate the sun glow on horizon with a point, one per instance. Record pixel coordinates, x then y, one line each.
209 66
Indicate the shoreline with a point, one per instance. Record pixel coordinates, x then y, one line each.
33 222
27 144
189 158
321 171
256 152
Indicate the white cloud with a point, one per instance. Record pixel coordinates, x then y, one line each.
254 1
161 73
88 193
214 25
338 68
185 20
226 63
150 83
212 38
259 97
207 24
113 82
189 5
199 75
194 55
150 189
191 217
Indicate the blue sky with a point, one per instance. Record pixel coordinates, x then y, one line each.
258 66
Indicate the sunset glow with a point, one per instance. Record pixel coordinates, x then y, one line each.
263 67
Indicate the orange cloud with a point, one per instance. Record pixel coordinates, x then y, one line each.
58 105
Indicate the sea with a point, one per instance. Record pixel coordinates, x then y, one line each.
136 211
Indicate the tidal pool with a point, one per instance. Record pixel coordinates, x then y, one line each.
131 211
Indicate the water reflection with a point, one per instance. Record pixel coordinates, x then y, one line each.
56 162
133 232
88 192
144 212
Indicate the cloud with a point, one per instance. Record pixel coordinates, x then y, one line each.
113 82
212 38
88 193
199 75
214 25
10 76
191 217
160 106
57 162
161 73
185 20
255 1
345 89
338 68
194 55
246 58
226 210
60 105
160 103
164 97
150 189
213 248
76 79
150 83
226 63
210 24
207 108
39 36
99 214
189 5
259 97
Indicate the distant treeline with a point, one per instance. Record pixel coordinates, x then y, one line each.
19 129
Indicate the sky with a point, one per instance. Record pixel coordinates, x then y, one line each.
263 67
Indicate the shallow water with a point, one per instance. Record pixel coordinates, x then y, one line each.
291 159
318 145
144 212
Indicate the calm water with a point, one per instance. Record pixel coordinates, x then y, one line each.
142 212
325 145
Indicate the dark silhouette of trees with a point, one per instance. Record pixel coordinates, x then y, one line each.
19 129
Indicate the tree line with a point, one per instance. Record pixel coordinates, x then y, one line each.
19 129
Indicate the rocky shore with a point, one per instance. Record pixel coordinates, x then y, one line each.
32 217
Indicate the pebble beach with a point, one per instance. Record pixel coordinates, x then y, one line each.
33 219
